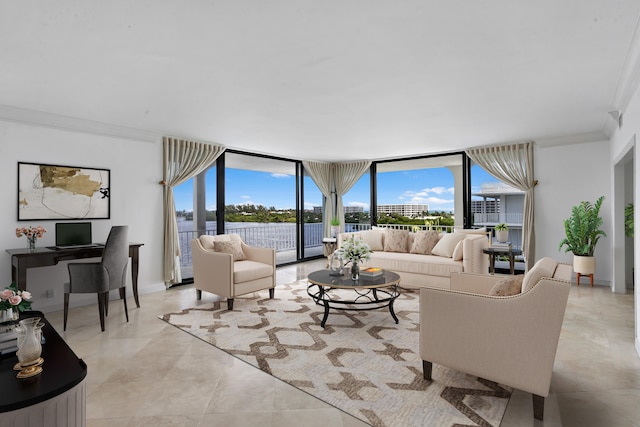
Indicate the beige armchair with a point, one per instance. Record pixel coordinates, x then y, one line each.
511 340
224 265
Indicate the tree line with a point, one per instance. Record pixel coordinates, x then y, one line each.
260 213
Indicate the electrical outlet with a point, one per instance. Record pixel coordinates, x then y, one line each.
51 293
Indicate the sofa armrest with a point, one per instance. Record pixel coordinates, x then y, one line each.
263 255
473 259
212 271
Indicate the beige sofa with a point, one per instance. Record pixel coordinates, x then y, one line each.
411 254
497 328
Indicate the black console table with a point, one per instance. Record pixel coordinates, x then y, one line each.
60 385
21 259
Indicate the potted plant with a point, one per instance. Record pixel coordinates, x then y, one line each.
502 232
628 220
335 226
583 231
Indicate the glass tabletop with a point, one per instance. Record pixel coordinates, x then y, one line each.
325 278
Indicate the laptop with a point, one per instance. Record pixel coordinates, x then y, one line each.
73 235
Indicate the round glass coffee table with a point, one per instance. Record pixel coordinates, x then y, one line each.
368 293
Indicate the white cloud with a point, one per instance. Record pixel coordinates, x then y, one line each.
246 197
280 175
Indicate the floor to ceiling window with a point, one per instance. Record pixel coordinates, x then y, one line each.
494 202
260 202
425 192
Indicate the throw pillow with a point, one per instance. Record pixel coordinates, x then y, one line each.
545 267
396 241
232 248
447 244
424 241
506 287
373 238
457 251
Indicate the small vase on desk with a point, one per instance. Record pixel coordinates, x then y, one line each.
8 315
355 271
31 242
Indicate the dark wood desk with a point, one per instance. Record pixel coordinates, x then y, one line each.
62 378
22 259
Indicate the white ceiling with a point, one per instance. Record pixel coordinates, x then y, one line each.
322 80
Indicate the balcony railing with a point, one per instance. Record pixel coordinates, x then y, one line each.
511 218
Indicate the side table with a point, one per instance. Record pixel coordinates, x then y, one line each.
60 388
493 252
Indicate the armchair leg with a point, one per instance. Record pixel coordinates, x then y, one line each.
101 308
198 294
538 407
230 304
106 304
123 296
66 311
271 292
426 370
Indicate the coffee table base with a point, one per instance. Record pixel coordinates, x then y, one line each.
366 299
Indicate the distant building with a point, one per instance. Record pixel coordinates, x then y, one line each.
408 210
499 203
353 209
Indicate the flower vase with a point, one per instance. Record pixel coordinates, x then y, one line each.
9 315
31 242
355 271
29 341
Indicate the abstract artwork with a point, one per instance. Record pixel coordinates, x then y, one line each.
62 192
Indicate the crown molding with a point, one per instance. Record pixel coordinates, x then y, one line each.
630 75
74 124
581 138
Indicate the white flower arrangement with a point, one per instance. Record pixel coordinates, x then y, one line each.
354 250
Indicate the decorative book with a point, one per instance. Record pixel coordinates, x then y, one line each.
371 272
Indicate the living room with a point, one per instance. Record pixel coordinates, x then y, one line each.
571 164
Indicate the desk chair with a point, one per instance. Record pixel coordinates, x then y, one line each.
101 277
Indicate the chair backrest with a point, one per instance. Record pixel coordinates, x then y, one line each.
545 267
116 256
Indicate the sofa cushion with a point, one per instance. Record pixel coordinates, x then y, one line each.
209 241
396 240
423 242
545 267
233 248
414 263
244 271
447 244
511 285
482 230
373 238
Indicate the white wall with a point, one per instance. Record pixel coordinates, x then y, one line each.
624 142
567 174
136 200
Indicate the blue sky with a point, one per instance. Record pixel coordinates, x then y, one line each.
431 186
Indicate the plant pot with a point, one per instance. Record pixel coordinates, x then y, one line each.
502 236
335 230
584 264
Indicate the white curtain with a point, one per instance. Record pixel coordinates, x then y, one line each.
513 165
345 176
182 160
322 175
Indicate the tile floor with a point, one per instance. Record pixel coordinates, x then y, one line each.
147 372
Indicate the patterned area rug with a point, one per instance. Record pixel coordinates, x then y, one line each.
362 362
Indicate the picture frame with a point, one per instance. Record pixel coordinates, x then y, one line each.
56 192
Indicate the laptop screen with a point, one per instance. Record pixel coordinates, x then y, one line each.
73 233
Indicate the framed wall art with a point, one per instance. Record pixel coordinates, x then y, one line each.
62 192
